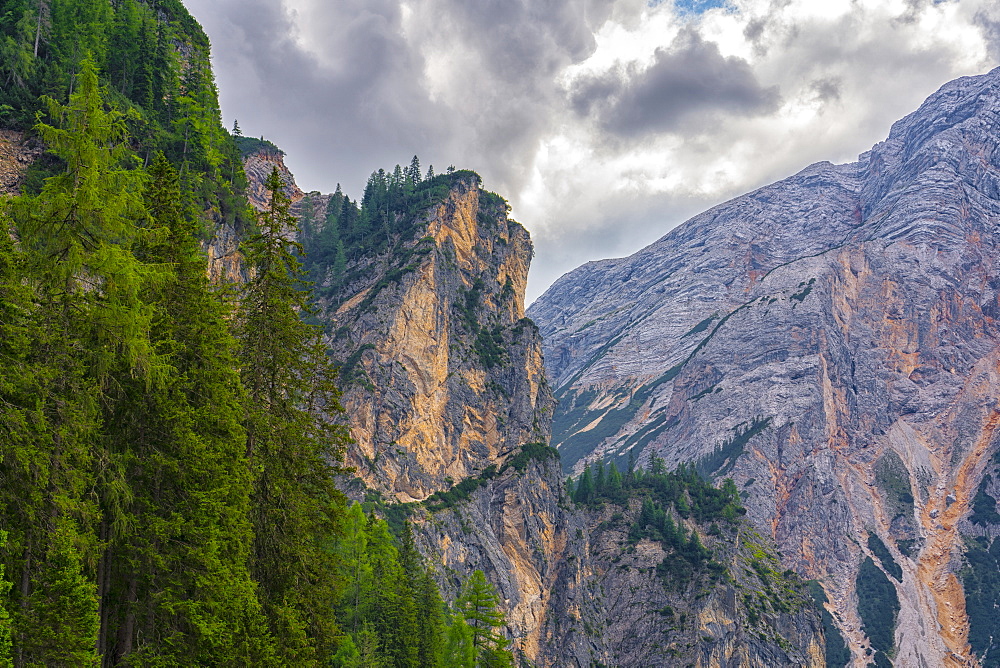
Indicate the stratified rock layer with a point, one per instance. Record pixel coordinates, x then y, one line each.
831 342
443 381
443 374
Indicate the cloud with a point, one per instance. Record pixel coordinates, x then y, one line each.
690 85
604 122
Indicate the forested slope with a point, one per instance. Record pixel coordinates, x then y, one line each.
166 472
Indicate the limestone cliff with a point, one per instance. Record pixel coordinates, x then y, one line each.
442 372
444 387
831 342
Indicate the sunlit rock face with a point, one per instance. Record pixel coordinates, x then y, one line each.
443 373
444 382
831 343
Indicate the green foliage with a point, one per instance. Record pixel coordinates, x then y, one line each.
389 216
529 452
444 500
891 476
804 292
881 552
837 653
390 608
984 506
683 493
981 582
878 605
165 486
479 605
6 647
722 459
251 145
490 346
153 59
291 439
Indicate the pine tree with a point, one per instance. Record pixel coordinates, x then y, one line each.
614 484
92 327
585 487
413 174
290 440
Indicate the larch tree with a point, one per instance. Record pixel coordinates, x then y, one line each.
479 605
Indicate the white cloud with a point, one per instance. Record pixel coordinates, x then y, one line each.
685 109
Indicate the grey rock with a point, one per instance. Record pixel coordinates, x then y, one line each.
794 337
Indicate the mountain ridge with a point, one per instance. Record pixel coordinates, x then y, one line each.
805 337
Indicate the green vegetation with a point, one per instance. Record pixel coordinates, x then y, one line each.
984 506
389 216
837 653
681 493
878 605
463 490
722 459
806 288
981 582
892 477
391 612
882 553
153 62
701 326
166 494
251 145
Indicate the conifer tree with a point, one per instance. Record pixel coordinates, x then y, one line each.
6 648
91 326
459 651
179 589
290 398
479 605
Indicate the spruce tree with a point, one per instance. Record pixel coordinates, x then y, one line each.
179 589
291 398
92 326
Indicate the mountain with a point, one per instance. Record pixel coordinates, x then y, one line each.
450 411
173 440
830 342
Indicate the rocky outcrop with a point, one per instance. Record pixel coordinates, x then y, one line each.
580 593
258 165
443 383
225 260
16 155
615 607
831 342
442 372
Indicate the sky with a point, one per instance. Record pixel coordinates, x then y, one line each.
604 123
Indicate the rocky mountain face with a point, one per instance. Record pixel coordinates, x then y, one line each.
447 400
442 372
16 153
831 343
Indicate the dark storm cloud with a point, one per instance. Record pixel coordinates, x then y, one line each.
339 115
359 98
689 85
827 89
